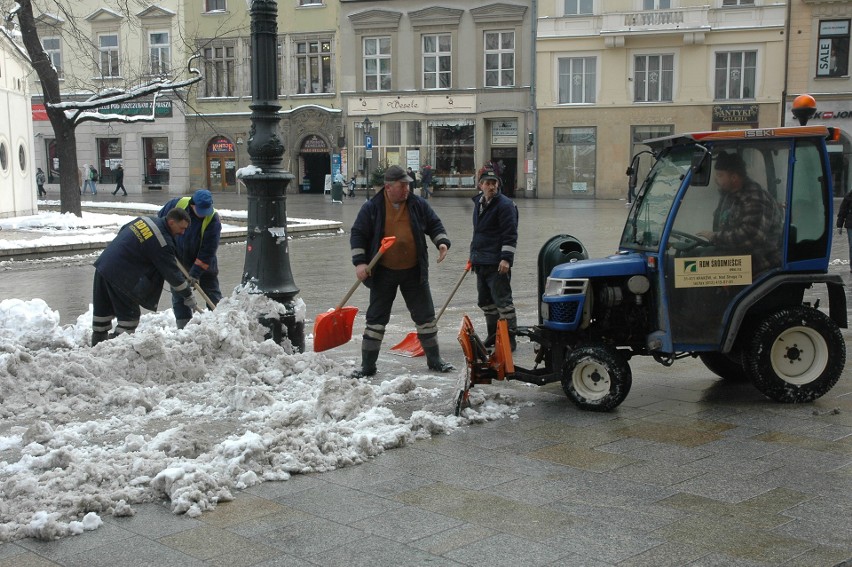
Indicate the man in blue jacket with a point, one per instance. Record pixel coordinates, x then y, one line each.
131 270
492 253
395 211
196 249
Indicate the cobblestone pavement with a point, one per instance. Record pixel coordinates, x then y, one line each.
689 470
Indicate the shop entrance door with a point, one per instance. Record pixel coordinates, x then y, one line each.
507 160
221 165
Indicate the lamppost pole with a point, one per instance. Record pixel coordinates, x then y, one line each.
267 265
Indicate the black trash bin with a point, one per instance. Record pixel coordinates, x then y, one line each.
560 249
337 192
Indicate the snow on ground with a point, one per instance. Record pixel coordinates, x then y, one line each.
185 415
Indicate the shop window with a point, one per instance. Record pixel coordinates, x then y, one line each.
833 48
156 167
575 157
109 156
453 146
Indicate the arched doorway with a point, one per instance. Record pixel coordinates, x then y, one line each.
221 165
316 164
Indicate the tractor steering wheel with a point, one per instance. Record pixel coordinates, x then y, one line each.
687 241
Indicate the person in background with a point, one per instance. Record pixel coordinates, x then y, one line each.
844 220
413 175
426 180
91 177
131 270
41 179
119 180
196 249
492 253
395 211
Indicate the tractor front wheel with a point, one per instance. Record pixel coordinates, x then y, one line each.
796 355
596 377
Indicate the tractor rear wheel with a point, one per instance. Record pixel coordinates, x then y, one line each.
596 377
796 355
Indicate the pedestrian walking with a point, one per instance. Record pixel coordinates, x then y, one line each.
426 180
119 180
352 186
131 270
395 211
41 179
196 249
844 220
90 181
492 254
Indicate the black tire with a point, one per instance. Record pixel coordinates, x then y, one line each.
724 366
796 355
596 378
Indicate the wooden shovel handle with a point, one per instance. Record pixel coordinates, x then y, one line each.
455 289
197 287
387 242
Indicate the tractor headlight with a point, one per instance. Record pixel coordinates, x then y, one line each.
557 287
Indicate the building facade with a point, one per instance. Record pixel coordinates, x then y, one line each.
818 56
17 166
118 47
444 86
611 74
308 66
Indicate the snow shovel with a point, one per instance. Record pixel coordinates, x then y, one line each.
334 327
410 346
197 287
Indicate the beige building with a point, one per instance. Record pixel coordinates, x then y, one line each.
309 94
118 46
611 74
448 86
819 65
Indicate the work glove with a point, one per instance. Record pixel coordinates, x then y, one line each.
190 302
191 282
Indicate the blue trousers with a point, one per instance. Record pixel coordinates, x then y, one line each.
418 300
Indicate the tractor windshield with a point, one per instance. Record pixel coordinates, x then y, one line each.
647 219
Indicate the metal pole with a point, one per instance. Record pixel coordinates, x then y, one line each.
267 265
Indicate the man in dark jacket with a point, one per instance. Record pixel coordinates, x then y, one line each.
119 180
395 211
197 248
131 270
492 253
844 219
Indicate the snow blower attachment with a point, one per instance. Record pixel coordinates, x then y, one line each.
483 365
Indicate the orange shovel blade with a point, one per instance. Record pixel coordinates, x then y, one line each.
409 346
334 328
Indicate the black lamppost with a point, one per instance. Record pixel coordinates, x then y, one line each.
267 265
366 125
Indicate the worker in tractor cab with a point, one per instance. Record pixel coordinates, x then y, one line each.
197 248
747 220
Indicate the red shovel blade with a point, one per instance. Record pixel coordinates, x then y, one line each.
334 328
409 346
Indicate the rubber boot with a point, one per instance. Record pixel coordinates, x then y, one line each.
434 360
491 329
181 323
99 337
368 364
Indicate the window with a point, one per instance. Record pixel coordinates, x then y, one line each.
437 61
313 66
53 47
377 64
737 2
499 59
156 167
22 157
4 157
653 78
574 159
310 2
453 144
108 47
735 74
656 4
214 5
219 70
577 80
577 7
160 57
833 49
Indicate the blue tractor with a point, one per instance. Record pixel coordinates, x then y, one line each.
745 302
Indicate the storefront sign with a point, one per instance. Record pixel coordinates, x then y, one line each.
39 112
446 104
712 271
314 145
735 115
504 132
138 107
221 146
